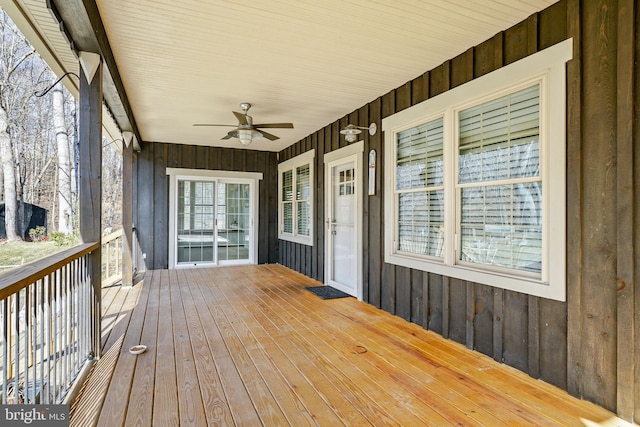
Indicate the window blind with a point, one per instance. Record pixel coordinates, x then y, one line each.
420 197
303 192
419 156
501 224
500 139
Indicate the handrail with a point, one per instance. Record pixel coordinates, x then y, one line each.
14 280
112 258
111 236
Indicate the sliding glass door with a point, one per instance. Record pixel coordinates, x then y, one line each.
234 221
196 222
212 221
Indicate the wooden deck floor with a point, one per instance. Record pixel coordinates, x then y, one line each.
249 346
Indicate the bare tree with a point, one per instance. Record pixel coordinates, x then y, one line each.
38 141
65 209
111 185
9 175
14 51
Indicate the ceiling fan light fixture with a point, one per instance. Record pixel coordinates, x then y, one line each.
246 131
247 135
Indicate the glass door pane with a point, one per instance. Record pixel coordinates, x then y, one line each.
343 227
196 225
234 221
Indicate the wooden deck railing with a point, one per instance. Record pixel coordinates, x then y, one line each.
47 312
112 258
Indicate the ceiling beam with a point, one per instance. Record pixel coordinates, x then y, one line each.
81 23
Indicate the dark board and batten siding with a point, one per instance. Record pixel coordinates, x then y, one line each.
588 345
151 204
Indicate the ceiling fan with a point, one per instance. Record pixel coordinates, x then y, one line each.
246 131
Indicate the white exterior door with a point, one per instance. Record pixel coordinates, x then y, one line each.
343 223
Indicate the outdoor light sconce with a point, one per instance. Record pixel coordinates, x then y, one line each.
351 132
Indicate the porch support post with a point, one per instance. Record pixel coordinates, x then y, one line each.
127 213
90 178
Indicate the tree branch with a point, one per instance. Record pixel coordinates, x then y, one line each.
20 61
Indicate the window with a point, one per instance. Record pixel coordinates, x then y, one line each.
477 183
295 183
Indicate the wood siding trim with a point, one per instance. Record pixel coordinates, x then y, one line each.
626 342
574 198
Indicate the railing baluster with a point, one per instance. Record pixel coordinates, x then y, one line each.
81 303
112 258
26 339
33 343
48 327
74 319
56 333
65 327
5 348
41 292
69 332
88 310
48 338
16 339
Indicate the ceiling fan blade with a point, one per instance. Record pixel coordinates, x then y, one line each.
269 136
275 125
209 124
242 119
231 134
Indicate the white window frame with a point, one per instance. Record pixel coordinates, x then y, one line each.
303 159
548 68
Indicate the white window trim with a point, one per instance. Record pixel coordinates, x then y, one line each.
291 164
547 67
251 178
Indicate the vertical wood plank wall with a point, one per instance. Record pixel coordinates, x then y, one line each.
151 193
588 345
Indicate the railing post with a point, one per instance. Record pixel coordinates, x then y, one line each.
127 214
90 200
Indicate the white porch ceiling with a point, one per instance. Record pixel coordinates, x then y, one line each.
303 61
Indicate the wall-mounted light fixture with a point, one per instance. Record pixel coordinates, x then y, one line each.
351 132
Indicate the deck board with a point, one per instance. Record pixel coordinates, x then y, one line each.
117 398
140 407
118 305
249 346
190 404
230 380
217 410
165 393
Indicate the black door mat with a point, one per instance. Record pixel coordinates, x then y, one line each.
326 292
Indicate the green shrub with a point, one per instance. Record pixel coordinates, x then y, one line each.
63 239
38 234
